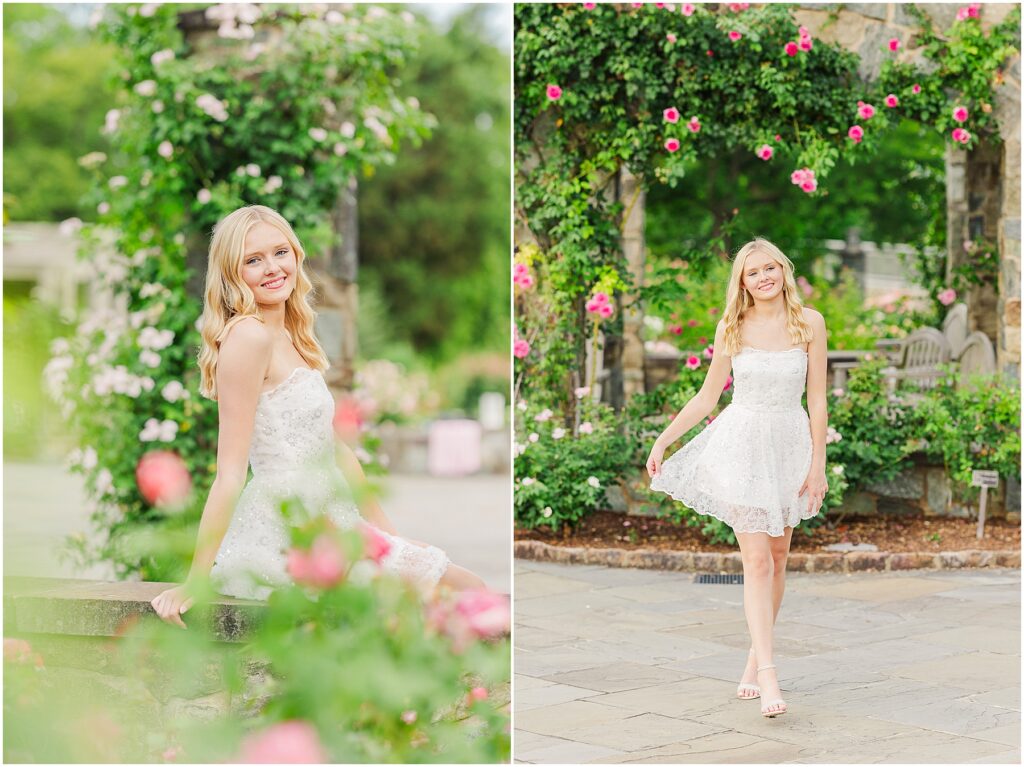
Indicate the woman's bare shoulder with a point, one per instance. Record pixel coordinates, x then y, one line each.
246 335
813 316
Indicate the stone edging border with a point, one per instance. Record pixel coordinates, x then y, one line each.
730 562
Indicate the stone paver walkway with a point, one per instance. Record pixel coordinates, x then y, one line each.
628 666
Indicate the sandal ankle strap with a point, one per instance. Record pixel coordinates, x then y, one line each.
769 665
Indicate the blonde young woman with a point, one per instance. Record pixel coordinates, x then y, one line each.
262 364
760 465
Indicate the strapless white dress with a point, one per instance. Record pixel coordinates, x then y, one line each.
292 455
746 467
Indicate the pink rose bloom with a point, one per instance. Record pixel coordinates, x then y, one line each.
600 298
737 7
915 89
163 478
801 175
778 137
672 145
671 115
376 545
670 37
765 152
810 185
592 305
947 296
637 5
960 114
477 693
791 48
524 281
709 352
693 362
554 92
520 269
892 101
408 716
590 6
804 285
521 348
803 31
728 383
805 44
734 35
856 133
486 613
165 150
323 566
606 310
959 134
694 124
676 330
702 340
866 111
659 6
894 44
586 428
293 742
688 9
691 323
972 10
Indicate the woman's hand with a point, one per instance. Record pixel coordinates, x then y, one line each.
170 604
816 486
654 460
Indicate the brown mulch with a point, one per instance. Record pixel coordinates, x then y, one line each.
607 529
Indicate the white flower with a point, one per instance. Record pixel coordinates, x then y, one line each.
157 106
111 120
533 437
204 196
832 436
168 430
252 169
149 358
528 480
521 406
103 208
558 433
547 511
59 346
593 482
174 391
213 106
88 459
116 182
273 184
151 338
837 469
166 149
148 9
146 88
318 134
104 482
150 431
160 57
838 392
582 392
348 130
520 448
586 428
543 415
363 456
333 17
148 383
70 226
340 149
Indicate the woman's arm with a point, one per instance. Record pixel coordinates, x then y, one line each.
356 478
699 407
817 367
241 366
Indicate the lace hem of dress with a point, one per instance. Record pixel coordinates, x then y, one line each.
739 518
425 565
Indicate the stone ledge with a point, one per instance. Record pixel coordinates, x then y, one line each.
105 608
730 562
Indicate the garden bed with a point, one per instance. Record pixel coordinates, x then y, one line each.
608 529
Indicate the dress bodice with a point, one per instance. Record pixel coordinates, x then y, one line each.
293 426
769 380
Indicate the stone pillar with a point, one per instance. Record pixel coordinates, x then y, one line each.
633 197
338 304
1008 307
854 258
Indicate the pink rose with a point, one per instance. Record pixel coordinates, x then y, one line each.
520 269
671 115
322 566
590 6
803 31
960 114
694 124
805 44
600 298
348 419
521 348
734 35
709 352
737 7
765 152
728 383
892 101
915 89
688 9
163 478
856 133
606 310
586 428
866 111
702 340
554 92
693 362
409 717
676 330
810 185
376 545
487 613
670 37
801 176
778 137
477 693
947 296
691 323
894 44
292 742
672 145
961 135
791 48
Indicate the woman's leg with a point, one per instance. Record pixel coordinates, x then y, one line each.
758 577
780 554
460 579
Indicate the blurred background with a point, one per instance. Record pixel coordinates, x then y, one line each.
414 294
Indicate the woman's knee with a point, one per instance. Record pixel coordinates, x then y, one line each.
758 565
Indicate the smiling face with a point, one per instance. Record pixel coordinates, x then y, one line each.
763 276
268 264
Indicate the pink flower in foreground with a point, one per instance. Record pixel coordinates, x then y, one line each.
894 44
805 44
688 9
800 175
947 296
322 566
810 185
694 125
521 348
554 92
960 114
960 135
600 298
487 613
477 693
163 478
376 545
915 89
865 111
671 115
856 133
670 37
968 12
693 362
892 101
292 742
765 152
734 35
672 145
791 48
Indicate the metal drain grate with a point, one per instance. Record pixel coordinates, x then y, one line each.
731 578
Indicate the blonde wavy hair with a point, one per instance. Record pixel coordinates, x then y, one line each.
228 300
737 300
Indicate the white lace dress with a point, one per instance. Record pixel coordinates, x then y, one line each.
292 455
746 467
